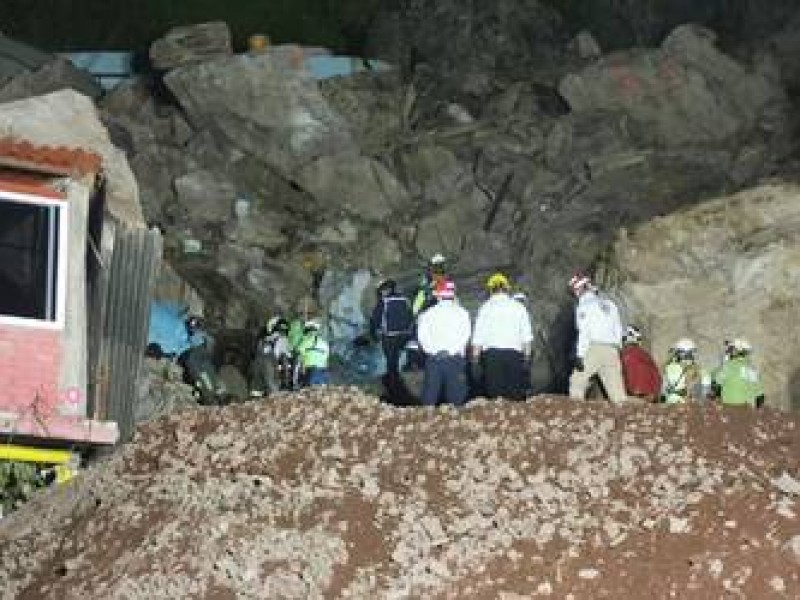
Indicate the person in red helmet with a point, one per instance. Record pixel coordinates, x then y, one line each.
641 373
444 331
599 329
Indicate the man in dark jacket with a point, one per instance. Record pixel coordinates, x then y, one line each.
391 323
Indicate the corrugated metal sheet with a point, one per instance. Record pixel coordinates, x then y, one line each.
133 268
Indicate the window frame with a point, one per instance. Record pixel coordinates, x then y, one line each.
61 260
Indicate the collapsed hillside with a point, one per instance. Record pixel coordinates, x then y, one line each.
330 494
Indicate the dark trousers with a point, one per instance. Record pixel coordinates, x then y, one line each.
392 349
444 373
504 373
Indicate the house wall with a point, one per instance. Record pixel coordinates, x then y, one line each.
30 361
73 366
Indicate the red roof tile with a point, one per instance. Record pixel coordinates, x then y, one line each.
54 160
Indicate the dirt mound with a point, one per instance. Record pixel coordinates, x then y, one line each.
333 495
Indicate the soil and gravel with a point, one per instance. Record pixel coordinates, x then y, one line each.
331 494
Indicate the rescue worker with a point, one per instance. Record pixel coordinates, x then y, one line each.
502 341
599 330
314 354
684 378
434 273
391 322
642 376
737 381
271 367
443 333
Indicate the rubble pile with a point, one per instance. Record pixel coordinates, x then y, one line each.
331 494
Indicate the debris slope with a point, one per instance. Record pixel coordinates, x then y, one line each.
331 494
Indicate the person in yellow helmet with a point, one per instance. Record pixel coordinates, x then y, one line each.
502 341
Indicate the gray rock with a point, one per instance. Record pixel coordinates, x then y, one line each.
190 44
264 105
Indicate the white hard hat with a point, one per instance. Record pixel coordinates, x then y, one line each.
684 345
633 335
312 324
437 259
741 345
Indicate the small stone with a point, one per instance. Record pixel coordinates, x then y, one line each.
588 573
777 584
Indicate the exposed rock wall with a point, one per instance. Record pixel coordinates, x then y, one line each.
727 268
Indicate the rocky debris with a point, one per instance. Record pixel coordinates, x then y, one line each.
332 494
501 169
162 390
191 44
726 268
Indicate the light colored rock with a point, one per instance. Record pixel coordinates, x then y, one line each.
727 268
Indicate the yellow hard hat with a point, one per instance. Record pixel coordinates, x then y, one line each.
497 281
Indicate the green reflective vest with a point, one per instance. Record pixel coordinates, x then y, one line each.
682 381
314 351
295 334
739 382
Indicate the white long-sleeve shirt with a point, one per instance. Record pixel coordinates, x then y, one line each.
597 321
502 323
444 327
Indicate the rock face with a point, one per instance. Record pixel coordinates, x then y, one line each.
727 268
333 495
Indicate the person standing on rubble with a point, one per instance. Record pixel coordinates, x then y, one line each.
684 378
502 341
737 382
641 373
599 330
314 354
443 332
391 323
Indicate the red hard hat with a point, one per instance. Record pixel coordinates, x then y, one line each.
445 290
579 281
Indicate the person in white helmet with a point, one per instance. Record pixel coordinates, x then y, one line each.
599 330
737 381
684 378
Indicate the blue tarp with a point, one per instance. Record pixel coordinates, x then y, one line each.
168 328
325 66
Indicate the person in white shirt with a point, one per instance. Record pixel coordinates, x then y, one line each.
502 341
600 332
443 333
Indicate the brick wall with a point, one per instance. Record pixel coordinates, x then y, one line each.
29 365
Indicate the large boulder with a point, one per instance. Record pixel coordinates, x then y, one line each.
686 92
266 104
727 268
